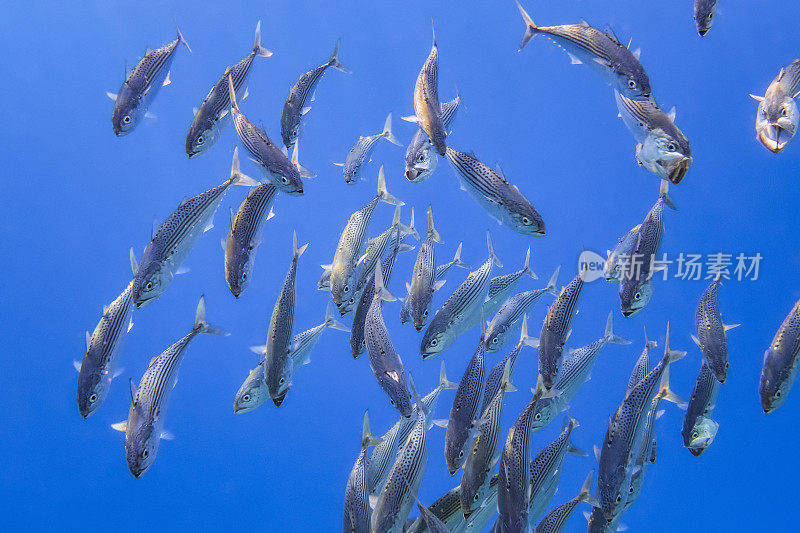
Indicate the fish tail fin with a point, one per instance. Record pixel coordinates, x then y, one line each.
303 171
610 336
670 355
527 267
505 381
334 60
457 257
181 39
383 192
410 229
237 177
585 495
663 193
492 256
380 288
387 131
445 383
330 319
530 27
232 93
297 252
431 228
200 324
665 392
257 48
417 399
134 263
524 338
366 436
551 284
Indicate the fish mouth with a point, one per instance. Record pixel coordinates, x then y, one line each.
418 328
678 171
770 137
703 31
630 313
411 174
278 400
467 513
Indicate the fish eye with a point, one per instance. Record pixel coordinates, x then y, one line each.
352 300
695 434
246 397
200 140
346 288
145 453
526 221
126 119
727 365
281 381
778 394
710 16
391 401
630 491
632 84
619 499
538 416
671 147
425 313
93 398
461 453
785 112
148 286
494 340
637 296
475 497
284 180
244 275
434 342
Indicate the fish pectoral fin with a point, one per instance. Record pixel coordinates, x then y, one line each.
150 115
373 501
113 96
697 341
194 110
438 285
597 452
411 118
120 426
305 110
224 113
182 270
167 81
166 435
602 62
117 373
441 422
339 164
753 96
574 59
76 364
728 327
259 350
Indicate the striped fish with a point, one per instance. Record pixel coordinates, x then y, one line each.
599 524
501 287
448 510
496 195
420 158
556 330
103 346
780 363
295 106
599 50
777 116
636 284
244 236
356 518
711 331
343 267
278 364
662 148
324 283
282 172
704 11
511 311
575 371
144 428
556 520
141 85
462 310
431 520
362 151
428 111
173 240
546 467
254 391
496 374
417 303
213 115
430 400
612 269
381 459
699 429
646 452
642 366
481 459
442 270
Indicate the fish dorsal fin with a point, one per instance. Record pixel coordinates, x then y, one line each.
88 340
672 113
133 389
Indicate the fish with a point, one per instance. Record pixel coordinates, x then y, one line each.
356 516
384 360
362 151
244 236
556 330
145 426
431 520
381 460
428 112
625 429
661 148
324 283
430 400
599 524
699 429
620 255
777 115
99 364
462 425
556 520
395 500
646 454
780 363
448 509
704 12
546 467
501 287
141 85
496 373
642 366
171 243
420 158
711 337
575 371
442 270
636 284
253 391
278 364
343 267
511 311
490 188
481 458
295 107
213 115
282 172
417 303
462 310
599 50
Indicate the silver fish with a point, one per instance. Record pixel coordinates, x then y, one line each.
777 116
575 371
496 195
642 366
448 510
646 454
699 429
356 517
381 459
625 431
711 331
421 160
496 374
144 428
173 240
141 85
362 151
462 310
636 284
295 106
599 524
282 172
343 268
662 148
511 311
428 111
780 363
324 283
254 391
556 330
213 115
556 520
484 512
442 270
417 303
612 269
244 236
704 11
103 346
278 364
501 287
599 50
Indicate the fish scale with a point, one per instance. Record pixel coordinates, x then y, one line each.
781 362
556 328
448 509
417 303
500 288
356 517
420 158
711 331
496 374
545 471
646 454
622 250
426 100
701 406
509 314
379 461
556 520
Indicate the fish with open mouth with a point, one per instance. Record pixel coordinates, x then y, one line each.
777 116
